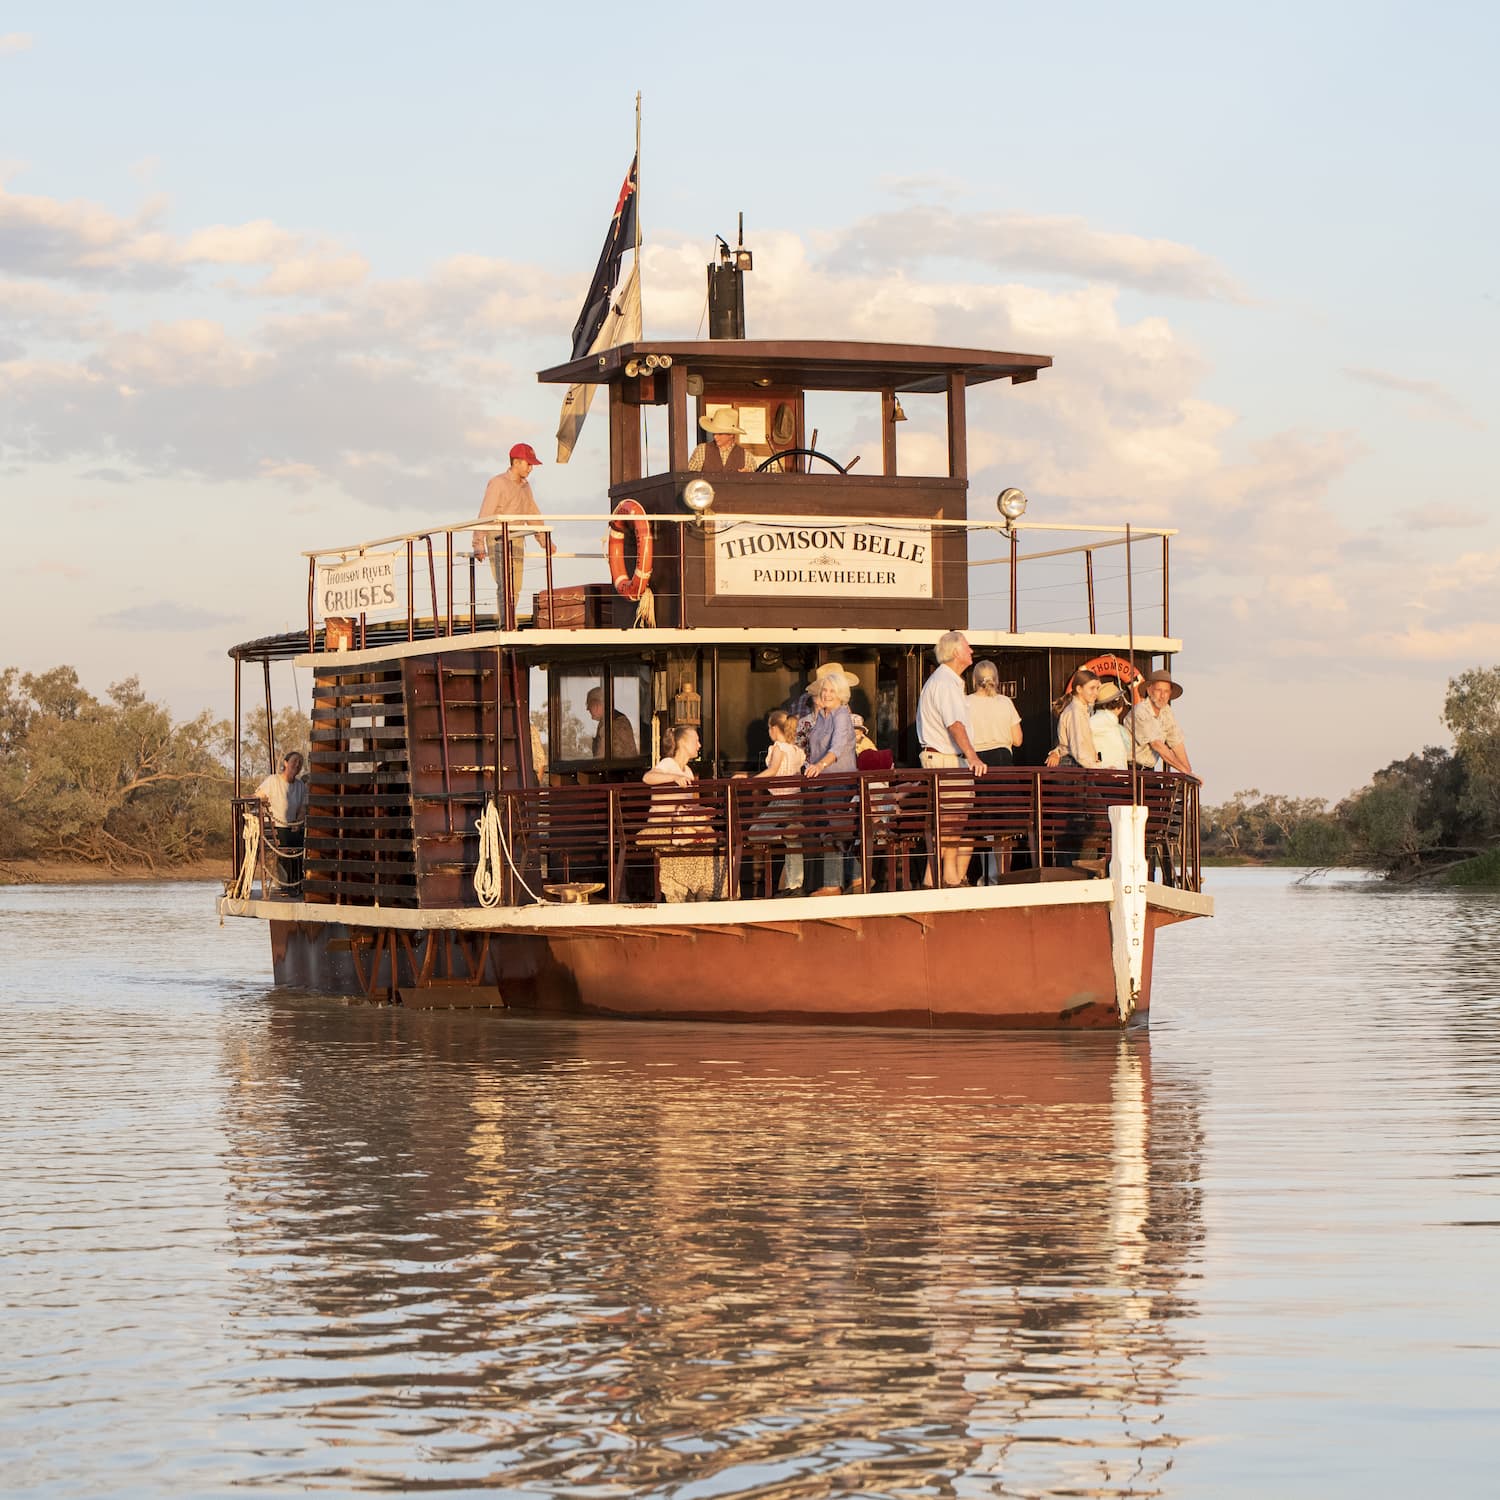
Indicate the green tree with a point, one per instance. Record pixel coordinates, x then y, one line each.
115 782
1472 712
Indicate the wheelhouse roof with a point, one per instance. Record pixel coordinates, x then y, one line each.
813 364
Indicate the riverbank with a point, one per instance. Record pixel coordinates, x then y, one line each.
1482 870
76 872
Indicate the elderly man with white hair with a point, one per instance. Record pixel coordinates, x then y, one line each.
947 732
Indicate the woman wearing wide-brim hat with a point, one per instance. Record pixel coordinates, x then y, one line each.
828 668
723 455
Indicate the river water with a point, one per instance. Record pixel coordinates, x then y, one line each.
256 1240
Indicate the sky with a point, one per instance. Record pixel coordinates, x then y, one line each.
281 277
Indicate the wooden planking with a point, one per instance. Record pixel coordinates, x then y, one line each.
360 844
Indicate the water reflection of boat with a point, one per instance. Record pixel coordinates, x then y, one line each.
564 1244
458 781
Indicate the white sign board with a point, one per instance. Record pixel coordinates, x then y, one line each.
779 559
354 587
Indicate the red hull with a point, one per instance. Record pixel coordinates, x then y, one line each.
987 967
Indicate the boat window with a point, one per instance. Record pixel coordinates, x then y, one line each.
922 439
846 426
540 728
600 717
630 702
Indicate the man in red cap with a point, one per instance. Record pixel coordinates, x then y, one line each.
509 495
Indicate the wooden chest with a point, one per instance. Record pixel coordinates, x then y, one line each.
583 606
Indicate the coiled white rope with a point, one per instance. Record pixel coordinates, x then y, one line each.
487 871
492 848
244 882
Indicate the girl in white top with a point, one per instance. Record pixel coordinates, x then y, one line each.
1110 738
681 746
684 877
785 757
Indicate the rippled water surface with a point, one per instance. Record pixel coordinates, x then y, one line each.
255 1240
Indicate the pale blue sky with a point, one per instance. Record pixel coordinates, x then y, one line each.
1263 237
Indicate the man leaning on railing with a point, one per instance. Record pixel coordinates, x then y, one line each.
284 796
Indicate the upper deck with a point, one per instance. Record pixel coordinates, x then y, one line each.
792 539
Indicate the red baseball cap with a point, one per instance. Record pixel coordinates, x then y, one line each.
526 451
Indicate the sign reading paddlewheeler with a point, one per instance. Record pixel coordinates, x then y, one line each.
363 583
770 559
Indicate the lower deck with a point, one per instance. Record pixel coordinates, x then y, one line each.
1028 954
410 755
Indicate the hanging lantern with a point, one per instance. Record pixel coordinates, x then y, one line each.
687 706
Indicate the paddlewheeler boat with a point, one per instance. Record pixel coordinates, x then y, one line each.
477 829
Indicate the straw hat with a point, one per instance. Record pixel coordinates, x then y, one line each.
1166 677
833 666
726 419
1108 692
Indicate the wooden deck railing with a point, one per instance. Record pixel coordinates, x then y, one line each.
882 825
441 588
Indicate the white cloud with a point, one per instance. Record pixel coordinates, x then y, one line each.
1049 244
81 241
255 243
165 615
15 41
1430 398
1445 517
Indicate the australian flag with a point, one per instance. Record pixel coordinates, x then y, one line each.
621 237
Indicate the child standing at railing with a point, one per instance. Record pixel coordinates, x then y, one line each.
784 758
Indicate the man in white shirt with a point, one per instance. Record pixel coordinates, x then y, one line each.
285 797
947 737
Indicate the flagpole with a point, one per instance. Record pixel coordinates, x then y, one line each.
638 202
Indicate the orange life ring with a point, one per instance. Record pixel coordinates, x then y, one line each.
630 585
1118 667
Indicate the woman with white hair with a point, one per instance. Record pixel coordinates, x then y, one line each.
830 749
997 725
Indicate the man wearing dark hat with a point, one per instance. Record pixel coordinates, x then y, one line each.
1152 726
508 495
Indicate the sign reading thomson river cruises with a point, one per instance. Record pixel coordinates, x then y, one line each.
363 583
771 559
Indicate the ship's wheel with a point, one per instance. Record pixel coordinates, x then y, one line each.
766 463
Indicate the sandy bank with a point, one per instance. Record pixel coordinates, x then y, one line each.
65 872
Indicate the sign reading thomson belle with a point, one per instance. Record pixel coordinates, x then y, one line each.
768 559
364 583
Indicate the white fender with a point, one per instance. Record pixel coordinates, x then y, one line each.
1127 913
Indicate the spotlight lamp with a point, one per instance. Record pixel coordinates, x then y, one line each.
1011 504
698 496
